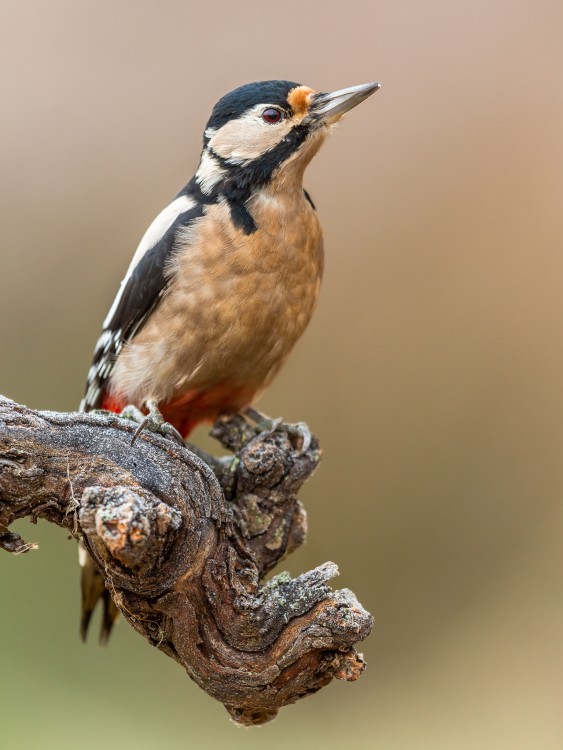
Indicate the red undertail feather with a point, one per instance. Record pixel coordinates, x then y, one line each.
109 403
187 411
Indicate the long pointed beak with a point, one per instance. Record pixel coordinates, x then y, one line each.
328 108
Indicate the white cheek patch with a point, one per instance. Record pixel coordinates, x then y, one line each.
248 137
154 234
209 172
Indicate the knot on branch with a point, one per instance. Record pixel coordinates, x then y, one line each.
130 527
183 546
262 485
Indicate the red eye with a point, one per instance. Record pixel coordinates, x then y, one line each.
272 115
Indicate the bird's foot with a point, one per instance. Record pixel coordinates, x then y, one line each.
153 422
266 426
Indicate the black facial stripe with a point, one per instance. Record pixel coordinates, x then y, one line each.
221 161
241 179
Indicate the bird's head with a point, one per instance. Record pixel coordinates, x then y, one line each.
268 131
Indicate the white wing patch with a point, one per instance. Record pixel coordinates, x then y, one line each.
154 234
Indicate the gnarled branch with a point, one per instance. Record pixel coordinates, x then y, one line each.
183 548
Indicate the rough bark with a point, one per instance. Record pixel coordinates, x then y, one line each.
183 548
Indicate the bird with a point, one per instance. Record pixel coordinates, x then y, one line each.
225 280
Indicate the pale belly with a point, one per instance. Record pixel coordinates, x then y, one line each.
235 308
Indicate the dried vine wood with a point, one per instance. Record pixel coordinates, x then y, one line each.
183 548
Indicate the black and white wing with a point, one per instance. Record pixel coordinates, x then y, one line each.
144 285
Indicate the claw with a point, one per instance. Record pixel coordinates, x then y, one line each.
301 430
267 426
153 421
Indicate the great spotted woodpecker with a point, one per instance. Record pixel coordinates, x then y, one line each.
225 279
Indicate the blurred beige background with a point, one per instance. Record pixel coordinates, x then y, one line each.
432 372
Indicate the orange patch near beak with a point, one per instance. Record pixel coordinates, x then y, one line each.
299 100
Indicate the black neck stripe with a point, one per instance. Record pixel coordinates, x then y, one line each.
242 180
